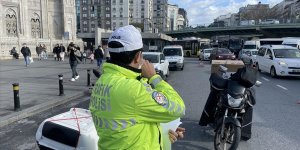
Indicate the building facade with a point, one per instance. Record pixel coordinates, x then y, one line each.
228 19
138 13
172 17
183 13
160 15
287 11
36 22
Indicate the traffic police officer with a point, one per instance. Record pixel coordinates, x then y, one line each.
129 100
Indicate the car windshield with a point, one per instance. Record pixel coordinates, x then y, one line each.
172 52
254 52
223 51
293 45
207 51
151 58
286 53
249 46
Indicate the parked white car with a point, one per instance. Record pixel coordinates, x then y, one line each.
161 65
205 54
279 60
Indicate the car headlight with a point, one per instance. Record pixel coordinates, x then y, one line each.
282 63
234 102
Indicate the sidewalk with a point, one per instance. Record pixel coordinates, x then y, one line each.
39 87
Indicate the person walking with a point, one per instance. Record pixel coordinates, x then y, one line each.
55 52
98 54
91 56
63 52
129 100
106 53
73 60
58 51
44 52
38 50
26 53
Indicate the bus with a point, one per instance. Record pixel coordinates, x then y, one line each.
191 46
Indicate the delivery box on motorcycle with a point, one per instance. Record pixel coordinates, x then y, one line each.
231 65
68 131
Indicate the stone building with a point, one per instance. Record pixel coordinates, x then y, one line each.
36 22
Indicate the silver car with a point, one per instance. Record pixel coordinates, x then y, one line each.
249 56
205 54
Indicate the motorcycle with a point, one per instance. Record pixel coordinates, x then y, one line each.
229 107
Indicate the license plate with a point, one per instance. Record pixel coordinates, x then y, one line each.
296 71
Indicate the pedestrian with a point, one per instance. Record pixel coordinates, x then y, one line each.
55 52
14 53
26 53
58 51
84 57
73 60
63 52
129 100
44 52
106 53
91 56
38 50
98 54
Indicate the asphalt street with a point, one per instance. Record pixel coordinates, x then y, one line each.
276 120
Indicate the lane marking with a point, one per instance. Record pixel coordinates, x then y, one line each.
265 79
282 87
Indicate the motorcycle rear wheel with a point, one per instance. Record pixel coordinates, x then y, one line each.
231 138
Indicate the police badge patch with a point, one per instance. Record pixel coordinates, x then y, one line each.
159 98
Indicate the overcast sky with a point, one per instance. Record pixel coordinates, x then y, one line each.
203 12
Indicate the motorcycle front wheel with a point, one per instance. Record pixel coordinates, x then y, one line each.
230 138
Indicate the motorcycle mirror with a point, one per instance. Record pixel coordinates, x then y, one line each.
258 83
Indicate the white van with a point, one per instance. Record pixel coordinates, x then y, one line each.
174 54
294 42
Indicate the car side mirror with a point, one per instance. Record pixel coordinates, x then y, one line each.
162 61
271 57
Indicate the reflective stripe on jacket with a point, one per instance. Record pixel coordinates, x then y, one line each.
127 112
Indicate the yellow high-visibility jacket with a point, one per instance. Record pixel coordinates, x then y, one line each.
127 110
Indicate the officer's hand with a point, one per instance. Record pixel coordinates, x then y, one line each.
148 70
178 134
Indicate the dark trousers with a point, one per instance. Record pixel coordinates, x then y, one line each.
99 62
58 57
73 65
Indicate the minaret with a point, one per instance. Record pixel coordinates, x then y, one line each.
69 13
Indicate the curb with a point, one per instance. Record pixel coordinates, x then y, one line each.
16 116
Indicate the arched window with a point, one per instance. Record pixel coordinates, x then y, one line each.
35 26
11 23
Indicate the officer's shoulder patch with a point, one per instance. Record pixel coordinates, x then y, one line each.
159 98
